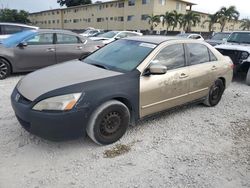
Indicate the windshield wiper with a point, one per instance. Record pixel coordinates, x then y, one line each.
100 66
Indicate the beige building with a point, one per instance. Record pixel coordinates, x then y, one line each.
116 15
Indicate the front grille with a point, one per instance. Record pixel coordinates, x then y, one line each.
233 54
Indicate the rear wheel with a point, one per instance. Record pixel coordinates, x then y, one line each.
248 77
4 69
215 93
108 123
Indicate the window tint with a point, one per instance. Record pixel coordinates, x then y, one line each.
11 29
67 39
41 39
172 56
198 53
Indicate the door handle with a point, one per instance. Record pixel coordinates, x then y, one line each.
183 75
79 47
214 67
51 50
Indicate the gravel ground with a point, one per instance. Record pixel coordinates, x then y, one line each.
193 146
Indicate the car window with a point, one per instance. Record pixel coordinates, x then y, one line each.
122 35
172 56
212 56
41 39
198 53
11 29
67 39
131 34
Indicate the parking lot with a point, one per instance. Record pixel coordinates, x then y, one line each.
192 146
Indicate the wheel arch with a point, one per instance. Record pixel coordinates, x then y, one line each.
223 80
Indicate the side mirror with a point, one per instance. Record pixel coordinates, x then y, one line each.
22 44
157 69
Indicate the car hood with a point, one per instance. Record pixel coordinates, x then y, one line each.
238 47
58 76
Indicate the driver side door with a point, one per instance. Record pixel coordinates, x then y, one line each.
161 92
39 52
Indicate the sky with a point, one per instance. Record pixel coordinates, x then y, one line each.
208 6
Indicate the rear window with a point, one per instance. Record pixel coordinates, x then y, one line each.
198 53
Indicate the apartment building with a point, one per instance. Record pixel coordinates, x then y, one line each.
116 15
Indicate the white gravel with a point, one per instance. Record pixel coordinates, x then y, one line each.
194 146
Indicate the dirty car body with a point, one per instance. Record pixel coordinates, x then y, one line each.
158 74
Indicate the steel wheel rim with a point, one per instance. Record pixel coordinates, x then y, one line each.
110 124
3 69
215 94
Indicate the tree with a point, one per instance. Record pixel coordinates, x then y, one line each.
212 19
188 20
227 15
167 20
177 17
13 15
153 21
245 24
71 3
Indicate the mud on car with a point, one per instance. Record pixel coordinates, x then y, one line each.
116 86
238 49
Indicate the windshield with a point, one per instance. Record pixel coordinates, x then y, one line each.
109 34
220 36
240 37
16 38
122 55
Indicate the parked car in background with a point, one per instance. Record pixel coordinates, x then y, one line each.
90 33
114 35
31 50
191 36
118 85
238 49
8 29
218 38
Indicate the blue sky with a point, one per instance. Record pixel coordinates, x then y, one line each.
209 6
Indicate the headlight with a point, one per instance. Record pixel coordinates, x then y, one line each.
62 103
244 55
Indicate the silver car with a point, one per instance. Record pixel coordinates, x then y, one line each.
31 50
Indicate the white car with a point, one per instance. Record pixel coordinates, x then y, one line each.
111 36
90 32
7 29
191 36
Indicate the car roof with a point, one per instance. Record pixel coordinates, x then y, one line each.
153 39
17 24
56 31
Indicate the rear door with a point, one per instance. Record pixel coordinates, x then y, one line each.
69 47
203 67
160 92
39 52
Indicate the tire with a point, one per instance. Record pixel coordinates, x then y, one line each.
215 93
248 77
108 123
5 69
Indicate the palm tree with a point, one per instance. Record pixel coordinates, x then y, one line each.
227 15
212 19
245 24
188 20
153 21
177 17
167 20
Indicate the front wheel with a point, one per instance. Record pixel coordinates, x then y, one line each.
215 93
108 123
248 77
4 69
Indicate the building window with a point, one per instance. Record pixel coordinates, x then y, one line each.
131 2
178 6
120 18
58 21
76 20
162 2
144 17
111 18
57 12
89 19
130 17
49 22
144 2
121 5
53 21
107 5
100 19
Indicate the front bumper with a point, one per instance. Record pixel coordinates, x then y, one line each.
52 126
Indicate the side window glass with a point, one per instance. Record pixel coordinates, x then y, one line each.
122 35
11 29
41 39
212 56
198 53
67 39
172 56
